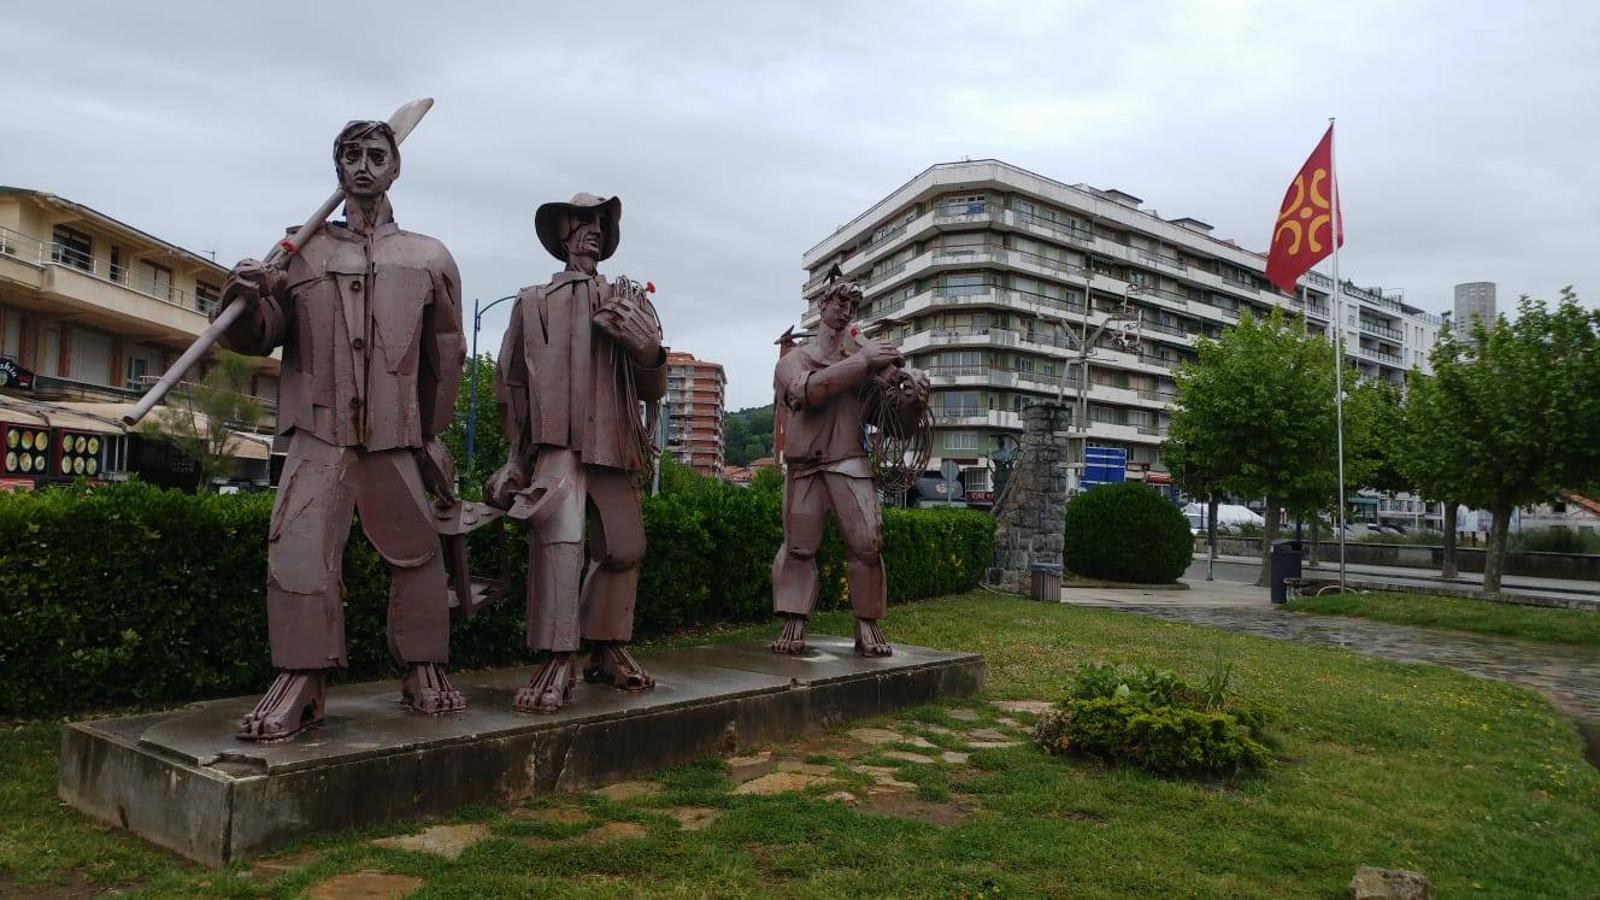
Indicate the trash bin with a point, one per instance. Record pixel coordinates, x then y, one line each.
1284 563
1046 582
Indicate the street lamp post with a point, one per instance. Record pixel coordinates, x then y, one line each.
472 401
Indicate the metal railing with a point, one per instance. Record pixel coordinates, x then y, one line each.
1382 330
66 256
1069 230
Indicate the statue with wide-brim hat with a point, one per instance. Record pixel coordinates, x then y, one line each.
553 220
581 355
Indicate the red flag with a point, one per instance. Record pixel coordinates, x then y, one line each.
1300 237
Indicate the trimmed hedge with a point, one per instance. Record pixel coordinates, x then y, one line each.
1126 532
135 595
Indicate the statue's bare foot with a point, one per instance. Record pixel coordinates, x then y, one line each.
427 690
295 701
870 640
611 663
549 688
793 637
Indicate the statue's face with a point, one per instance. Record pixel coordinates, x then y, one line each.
839 308
367 166
583 235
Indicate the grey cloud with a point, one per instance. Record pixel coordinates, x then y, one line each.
739 134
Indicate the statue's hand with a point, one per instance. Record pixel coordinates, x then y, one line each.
250 280
500 490
627 320
438 470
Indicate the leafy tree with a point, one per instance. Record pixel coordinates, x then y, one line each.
488 444
1512 418
747 434
1254 416
202 416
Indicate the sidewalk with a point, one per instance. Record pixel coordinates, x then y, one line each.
1555 588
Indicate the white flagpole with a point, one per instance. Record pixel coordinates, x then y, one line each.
1338 340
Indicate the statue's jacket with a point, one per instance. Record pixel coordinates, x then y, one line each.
563 382
371 333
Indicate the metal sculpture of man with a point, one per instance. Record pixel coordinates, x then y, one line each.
369 319
580 355
827 389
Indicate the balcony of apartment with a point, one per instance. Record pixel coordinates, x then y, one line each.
1130 396
1052 229
976 417
1383 357
1381 330
981 336
114 298
1175 334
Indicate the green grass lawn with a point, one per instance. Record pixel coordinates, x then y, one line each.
1479 785
1536 623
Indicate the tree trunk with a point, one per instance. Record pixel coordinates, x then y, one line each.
1448 568
1314 557
1268 535
1211 534
1494 556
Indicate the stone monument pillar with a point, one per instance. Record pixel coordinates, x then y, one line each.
1030 517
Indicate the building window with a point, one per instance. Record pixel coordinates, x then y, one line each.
205 296
118 274
960 440
156 280
73 248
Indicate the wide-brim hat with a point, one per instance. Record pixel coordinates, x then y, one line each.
547 222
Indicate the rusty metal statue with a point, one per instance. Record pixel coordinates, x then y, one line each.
827 389
369 319
579 357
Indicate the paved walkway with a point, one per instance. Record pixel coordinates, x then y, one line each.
1563 588
1568 675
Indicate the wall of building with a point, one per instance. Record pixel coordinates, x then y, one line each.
985 274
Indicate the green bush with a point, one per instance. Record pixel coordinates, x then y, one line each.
1154 720
1127 532
1554 539
134 595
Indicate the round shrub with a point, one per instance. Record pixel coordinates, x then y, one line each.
1127 532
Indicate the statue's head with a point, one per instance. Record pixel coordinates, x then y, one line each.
366 157
588 227
839 304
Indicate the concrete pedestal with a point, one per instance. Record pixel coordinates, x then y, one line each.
180 779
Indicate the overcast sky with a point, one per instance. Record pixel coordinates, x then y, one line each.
739 134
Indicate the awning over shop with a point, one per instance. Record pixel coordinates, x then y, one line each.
106 418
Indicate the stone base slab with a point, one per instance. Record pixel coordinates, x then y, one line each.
181 780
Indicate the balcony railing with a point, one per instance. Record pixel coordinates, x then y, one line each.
1167 294
1240 284
883 276
1392 334
1068 230
53 253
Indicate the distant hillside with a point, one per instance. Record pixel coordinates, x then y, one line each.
747 435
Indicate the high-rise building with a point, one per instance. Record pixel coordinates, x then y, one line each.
1474 300
693 412
91 311
985 274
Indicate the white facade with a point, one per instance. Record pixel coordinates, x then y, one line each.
979 271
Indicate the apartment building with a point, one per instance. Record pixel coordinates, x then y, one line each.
987 275
1474 300
91 310
692 409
